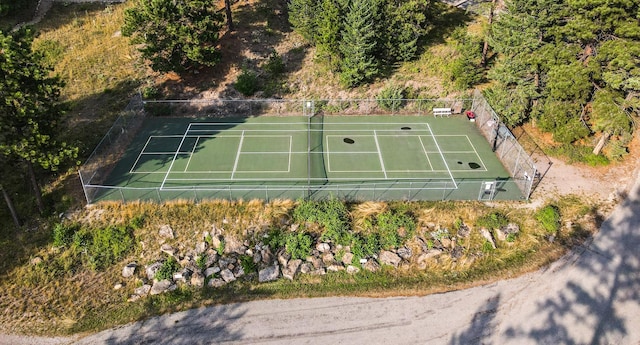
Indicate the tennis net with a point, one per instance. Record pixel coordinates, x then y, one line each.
317 170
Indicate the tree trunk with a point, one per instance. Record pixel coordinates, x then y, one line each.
485 47
36 187
227 9
603 140
12 209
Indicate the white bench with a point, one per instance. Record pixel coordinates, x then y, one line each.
441 112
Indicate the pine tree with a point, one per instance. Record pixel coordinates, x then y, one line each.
328 31
175 35
30 109
359 41
302 16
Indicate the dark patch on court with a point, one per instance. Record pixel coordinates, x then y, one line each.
348 140
474 165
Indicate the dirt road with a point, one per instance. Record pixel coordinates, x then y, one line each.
591 296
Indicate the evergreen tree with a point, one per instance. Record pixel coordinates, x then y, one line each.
302 15
176 34
359 41
404 23
30 111
328 31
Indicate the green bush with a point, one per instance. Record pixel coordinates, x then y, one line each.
220 249
494 220
275 239
168 268
333 215
388 225
201 262
104 247
549 218
63 234
298 244
391 97
274 65
248 266
247 83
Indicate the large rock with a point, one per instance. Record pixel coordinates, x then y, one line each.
323 247
160 287
168 249
152 269
129 270
197 279
464 231
216 242
257 257
335 268
227 275
504 232
268 274
389 258
211 271
315 261
291 269
216 282
404 252
201 247
166 232
347 258
328 258
232 245
142 290
352 269
283 258
488 236
267 256
371 266
306 268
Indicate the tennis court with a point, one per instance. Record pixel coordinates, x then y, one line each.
351 157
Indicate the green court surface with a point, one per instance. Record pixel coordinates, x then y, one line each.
351 157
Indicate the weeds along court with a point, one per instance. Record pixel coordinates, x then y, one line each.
355 150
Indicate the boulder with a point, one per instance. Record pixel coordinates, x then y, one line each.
306 268
347 258
323 247
197 279
328 258
283 258
389 258
152 269
371 266
268 274
142 290
232 245
129 270
239 272
318 272
352 269
335 268
446 243
216 282
201 247
211 271
216 242
505 231
267 256
315 261
166 232
488 236
227 275
404 252
160 287
257 257
291 269
464 231
168 249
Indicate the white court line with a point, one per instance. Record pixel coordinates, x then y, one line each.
442 156
290 153
476 152
235 164
139 155
375 136
174 157
425 153
193 150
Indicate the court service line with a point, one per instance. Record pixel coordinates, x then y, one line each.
139 155
290 152
175 156
425 153
235 164
375 137
193 150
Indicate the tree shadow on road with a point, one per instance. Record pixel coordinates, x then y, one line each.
482 324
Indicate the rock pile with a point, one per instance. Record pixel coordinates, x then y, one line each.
218 260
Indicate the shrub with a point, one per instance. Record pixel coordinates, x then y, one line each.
248 266
201 262
389 225
391 97
549 218
298 245
168 268
63 234
220 249
108 245
275 239
494 220
247 82
332 215
274 66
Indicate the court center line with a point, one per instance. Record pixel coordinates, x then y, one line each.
290 152
184 136
375 137
424 149
139 155
235 164
193 150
